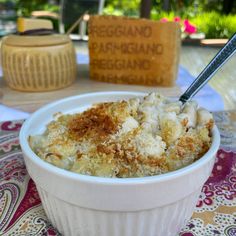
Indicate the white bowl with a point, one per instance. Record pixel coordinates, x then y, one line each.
95 206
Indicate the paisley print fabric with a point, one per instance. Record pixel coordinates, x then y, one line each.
21 211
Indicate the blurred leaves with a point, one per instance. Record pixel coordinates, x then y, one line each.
122 7
25 7
212 24
215 25
207 15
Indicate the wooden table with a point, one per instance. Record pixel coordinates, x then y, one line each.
193 58
29 102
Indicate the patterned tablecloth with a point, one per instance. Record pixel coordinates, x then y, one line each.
21 212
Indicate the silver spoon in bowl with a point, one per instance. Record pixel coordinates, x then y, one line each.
215 64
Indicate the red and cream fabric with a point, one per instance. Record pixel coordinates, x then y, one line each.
21 211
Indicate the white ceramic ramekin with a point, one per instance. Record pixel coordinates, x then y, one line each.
95 206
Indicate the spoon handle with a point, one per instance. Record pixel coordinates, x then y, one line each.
215 64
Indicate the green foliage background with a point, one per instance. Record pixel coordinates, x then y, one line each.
207 15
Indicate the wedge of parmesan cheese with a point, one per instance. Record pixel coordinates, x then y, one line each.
25 24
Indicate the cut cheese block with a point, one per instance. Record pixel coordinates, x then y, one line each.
25 24
133 51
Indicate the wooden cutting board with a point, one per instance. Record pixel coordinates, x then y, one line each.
30 102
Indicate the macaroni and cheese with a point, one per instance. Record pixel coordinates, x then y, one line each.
134 138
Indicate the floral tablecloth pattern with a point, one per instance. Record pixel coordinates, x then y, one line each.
21 211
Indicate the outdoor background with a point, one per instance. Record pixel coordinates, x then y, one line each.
207 18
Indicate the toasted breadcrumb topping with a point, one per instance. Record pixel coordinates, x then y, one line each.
134 138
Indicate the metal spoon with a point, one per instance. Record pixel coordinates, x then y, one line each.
215 64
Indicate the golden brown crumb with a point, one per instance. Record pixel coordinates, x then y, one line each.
98 122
